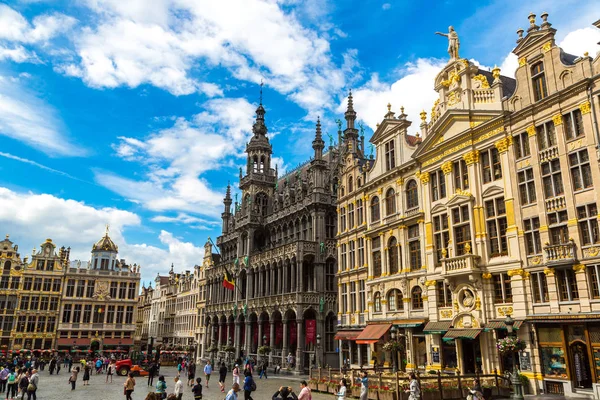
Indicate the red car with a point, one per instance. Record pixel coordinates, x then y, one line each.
124 367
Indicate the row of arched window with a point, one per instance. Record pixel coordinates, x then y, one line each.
395 301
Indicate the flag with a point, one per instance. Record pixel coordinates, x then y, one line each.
228 281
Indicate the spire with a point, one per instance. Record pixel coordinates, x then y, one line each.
350 114
171 272
318 144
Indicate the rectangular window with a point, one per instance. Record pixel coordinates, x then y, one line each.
376 263
344 289
80 288
438 185
47 285
129 315
567 285
66 314
538 79
31 324
441 236
390 156
502 289
70 288
131 292
342 219
24 303
533 242
495 214
361 252
110 314
462 230
557 222
14 282
27 283
350 216
4 282
587 217
344 262
37 284
594 276
552 179
44 303
40 265
546 134
444 294
521 143
87 314
461 175
77 313
51 325
352 254
123 290
89 292
99 314
490 164
113 290
53 306
362 296
35 303
526 186
539 286
359 212
581 174
352 297
41 324
414 247
573 124
120 310
56 285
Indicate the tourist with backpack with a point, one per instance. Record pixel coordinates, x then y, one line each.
249 386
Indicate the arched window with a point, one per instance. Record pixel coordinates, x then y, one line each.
377 302
393 255
394 300
390 202
538 79
359 182
262 164
412 195
261 203
7 266
417 298
350 185
375 213
342 192
255 164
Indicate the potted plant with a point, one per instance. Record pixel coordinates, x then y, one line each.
264 350
373 392
313 384
333 386
509 345
355 389
386 393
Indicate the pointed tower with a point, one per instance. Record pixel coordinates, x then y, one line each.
104 253
226 216
318 144
350 133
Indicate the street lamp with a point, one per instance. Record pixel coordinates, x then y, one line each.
318 350
393 333
516 382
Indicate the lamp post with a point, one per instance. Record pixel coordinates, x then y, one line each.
393 333
318 350
516 382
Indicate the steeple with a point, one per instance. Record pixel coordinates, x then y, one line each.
350 133
227 209
318 144
350 114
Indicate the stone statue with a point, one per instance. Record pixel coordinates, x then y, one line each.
322 247
453 42
468 299
339 124
330 140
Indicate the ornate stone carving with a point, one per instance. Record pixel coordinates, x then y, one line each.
503 144
585 108
446 313
503 311
486 275
591 251
557 119
483 82
549 271
423 177
522 61
516 272
547 46
537 260
471 157
447 167
531 130
578 268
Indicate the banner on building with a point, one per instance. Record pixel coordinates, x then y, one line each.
310 329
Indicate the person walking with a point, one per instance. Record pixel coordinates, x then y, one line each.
129 386
23 380
73 377
11 385
151 373
207 372
364 386
86 375
112 369
413 387
232 394
33 385
3 378
305 393
222 376
341 395
236 374
263 369
191 374
161 387
249 385
197 389
179 367
178 388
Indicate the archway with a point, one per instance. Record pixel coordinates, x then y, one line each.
95 345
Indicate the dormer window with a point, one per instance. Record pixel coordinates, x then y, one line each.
538 79
390 156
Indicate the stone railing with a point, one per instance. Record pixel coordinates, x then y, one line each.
458 265
412 211
483 96
549 154
556 203
557 253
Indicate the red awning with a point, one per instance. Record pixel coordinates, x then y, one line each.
346 335
372 333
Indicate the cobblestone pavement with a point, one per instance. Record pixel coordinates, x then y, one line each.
53 387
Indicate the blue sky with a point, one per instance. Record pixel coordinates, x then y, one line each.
135 113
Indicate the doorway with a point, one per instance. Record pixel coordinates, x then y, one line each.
95 345
582 376
471 356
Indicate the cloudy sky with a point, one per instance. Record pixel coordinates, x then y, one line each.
135 113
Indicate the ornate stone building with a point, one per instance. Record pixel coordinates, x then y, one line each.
12 270
278 243
99 302
489 210
40 298
142 320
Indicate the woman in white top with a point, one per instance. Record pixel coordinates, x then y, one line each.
342 393
413 388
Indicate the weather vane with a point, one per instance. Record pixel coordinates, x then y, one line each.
261 87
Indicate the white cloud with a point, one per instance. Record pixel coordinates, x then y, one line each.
386 6
176 158
15 28
582 40
413 90
18 54
77 225
26 118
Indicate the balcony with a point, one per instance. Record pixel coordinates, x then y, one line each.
412 211
483 96
460 265
556 203
548 154
563 253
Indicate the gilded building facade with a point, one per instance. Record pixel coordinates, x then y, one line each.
10 281
279 245
142 320
99 302
490 210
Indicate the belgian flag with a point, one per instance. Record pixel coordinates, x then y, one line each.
228 282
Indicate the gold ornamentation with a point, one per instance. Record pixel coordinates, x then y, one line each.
446 313
503 311
453 98
591 251
579 268
447 167
456 305
478 304
423 177
486 275
430 283
522 61
496 72
547 46
471 157
483 80
465 62
399 181
467 248
406 299
444 252
557 119
531 130
489 134
425 298
503 144
380 191
452 78
423 115
516 272
585 107
537 260
549 271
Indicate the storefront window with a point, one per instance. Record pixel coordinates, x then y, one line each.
449 354
553 362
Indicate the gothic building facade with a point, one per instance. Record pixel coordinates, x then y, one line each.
278 243
490 210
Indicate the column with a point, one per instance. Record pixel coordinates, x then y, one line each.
271 341
248 339
300 347
300 278
472 160
410 359
236 338
582 287
552 292
284 348
249 284
284 275
260 334
219 341
511 231
384 266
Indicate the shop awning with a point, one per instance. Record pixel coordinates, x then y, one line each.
570 318
501 325
372 333
462 334
437 326
409 323
346 335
